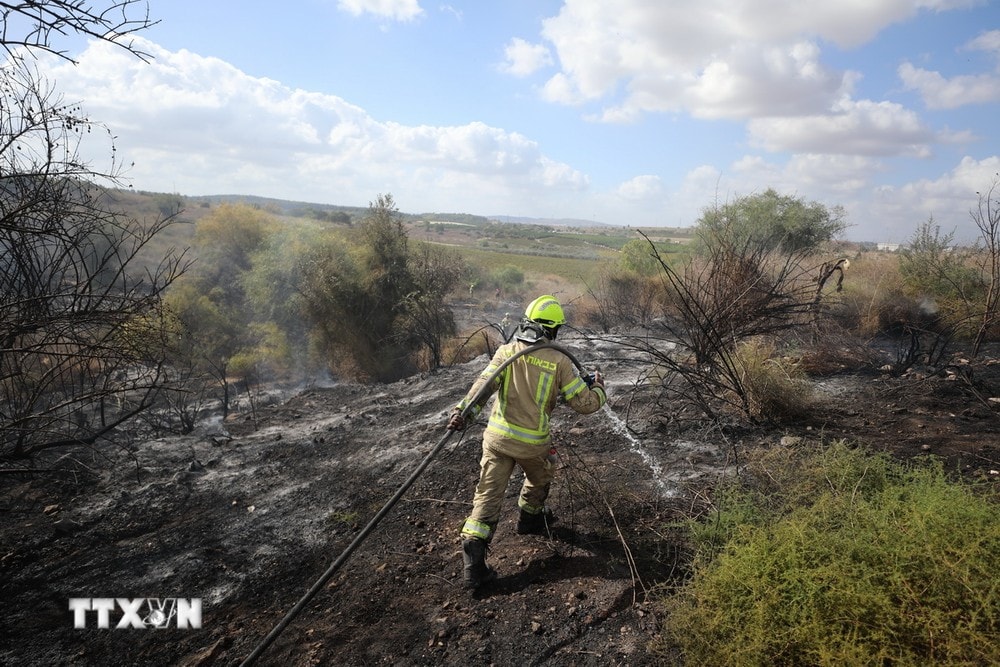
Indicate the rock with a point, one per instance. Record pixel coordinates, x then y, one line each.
65 527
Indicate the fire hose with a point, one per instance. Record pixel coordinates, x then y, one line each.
375 520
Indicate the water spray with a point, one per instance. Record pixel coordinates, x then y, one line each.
621 428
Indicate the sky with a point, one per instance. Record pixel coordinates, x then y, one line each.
626 112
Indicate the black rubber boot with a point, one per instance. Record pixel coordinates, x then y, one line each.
477 572
535 524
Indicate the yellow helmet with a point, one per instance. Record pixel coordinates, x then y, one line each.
547 311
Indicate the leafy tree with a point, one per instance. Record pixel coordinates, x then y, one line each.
932 266
773 221
961 284
333 297
508 277
637 257
386 282
272 289
226 241
373 304
339 217
944 278
207 336
212 309
436 272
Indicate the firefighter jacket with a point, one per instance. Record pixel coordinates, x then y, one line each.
527 391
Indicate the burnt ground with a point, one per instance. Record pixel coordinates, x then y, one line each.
247 519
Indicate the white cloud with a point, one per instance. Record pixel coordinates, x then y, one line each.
987 41
941 93
200 126
641 187
856 128
524 59
833 177
560 89
947 199
397 10
750 81
715 58
449 9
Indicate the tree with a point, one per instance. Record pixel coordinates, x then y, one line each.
81 319
436 272
374 303
31 25
205 339
773 221
986 215
508 277
745 287
226 240
332 300
637 257
82 327
220 330
943 278
386 282
272 289
931 266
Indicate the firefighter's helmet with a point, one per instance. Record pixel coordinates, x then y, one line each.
547 311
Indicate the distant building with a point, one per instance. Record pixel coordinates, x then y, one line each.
888 247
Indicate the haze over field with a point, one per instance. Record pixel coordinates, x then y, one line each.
628 112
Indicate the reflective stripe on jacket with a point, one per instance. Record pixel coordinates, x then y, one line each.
528 390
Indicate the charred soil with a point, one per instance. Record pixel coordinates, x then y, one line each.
247 515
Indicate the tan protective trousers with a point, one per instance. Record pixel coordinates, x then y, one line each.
500 455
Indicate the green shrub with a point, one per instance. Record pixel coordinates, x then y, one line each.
861 561
508 277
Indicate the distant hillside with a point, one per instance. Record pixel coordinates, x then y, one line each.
194 207
551 222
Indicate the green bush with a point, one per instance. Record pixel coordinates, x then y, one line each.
861 561
508 277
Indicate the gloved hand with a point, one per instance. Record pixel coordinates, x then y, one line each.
597 381
594 378
456 422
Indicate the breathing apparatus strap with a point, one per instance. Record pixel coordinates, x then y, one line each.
530 332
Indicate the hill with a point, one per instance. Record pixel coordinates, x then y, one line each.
552 256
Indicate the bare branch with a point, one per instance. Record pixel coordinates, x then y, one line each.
35 25
82 325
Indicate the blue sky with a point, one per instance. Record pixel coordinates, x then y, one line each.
626 112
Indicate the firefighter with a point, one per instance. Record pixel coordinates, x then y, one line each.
518 430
